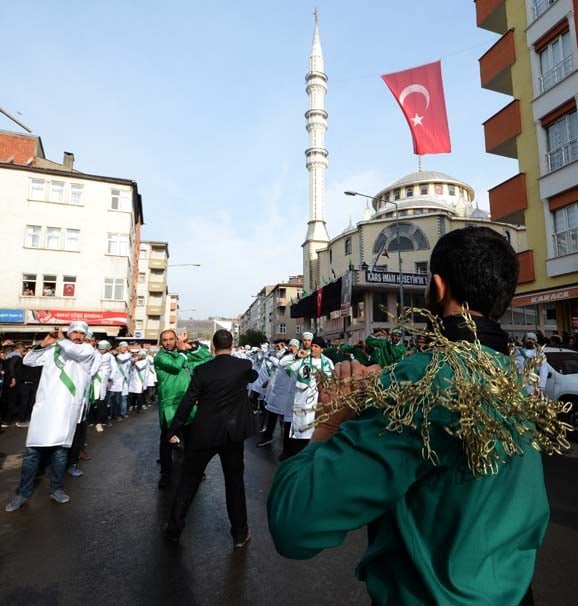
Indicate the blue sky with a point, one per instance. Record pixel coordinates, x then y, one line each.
202 103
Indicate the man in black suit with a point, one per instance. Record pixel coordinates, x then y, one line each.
222 423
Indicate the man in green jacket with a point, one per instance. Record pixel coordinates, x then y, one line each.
174 363
383 351
440 456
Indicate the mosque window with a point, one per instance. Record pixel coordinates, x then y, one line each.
421 267
451 189
411 237
438 188
396 193
330 256
387 196
348 246
424 189
409 191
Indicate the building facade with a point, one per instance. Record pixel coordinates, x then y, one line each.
150 316
172 311
69 240
535 61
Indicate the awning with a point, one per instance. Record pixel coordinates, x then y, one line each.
545 296
307 307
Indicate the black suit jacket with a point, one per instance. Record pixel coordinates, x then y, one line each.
219 388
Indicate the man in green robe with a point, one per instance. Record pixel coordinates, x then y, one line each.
383 351
437 456
174 363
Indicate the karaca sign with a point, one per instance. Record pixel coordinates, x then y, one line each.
65 316
545 297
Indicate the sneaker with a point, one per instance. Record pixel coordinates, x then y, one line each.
60 496
83 456
16 503
75 472
243 542
99 427
21 424
264 443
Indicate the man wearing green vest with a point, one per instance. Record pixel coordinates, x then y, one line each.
440 456
174 363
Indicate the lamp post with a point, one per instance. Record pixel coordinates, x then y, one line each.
356 193
184 265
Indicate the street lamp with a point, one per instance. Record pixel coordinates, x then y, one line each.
184 265
356 193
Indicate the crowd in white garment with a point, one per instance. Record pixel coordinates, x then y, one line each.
286 388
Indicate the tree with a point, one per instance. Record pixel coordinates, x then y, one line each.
254 338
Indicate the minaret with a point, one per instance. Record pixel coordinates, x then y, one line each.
316 162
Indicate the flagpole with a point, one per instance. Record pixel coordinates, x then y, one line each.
419 163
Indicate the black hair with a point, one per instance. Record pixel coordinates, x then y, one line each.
480 267
222 339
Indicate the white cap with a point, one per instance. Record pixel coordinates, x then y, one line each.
294 342
78 325
142 352
104 344
308 335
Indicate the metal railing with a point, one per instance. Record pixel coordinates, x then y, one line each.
566 242
556 74
562 155
539 7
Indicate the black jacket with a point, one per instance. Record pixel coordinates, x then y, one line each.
219 387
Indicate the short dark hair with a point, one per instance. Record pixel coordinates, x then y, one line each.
480 267
222 339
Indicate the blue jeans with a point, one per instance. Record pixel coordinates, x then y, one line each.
115 404
55 471
123 405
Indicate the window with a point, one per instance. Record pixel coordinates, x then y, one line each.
143 254
48 285
438 189
539 7
396 193
142 278
451 189
76 190
424 189
68 286
282 329
37 188
347 246
53 238
72 239
29 285
140 301
409 191
32 239
117 244
120 199
56 191
387 195
421 267
562 138
555 61
566 230
139 324
114 289
298 329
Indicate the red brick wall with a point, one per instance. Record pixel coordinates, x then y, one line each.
22 148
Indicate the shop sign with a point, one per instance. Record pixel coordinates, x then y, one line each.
378 276
11 316
65 316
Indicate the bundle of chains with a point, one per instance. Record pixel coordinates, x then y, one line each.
492 414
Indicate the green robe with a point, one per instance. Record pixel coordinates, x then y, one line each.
384 352
174 370
357 352
436 534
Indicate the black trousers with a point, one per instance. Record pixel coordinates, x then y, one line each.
136 400
194 464
165 451
77 443
26 396
270 426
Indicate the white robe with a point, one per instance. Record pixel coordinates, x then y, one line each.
138 376
152 373
57 411
120 373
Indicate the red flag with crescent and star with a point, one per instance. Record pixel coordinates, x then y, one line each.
420 94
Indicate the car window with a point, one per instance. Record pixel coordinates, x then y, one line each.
564 362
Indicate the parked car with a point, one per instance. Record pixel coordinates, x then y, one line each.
562 381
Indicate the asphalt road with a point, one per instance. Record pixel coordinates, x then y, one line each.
105 546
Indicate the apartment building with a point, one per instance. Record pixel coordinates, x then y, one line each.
150 315
68 239
535 61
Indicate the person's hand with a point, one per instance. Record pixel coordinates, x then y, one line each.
51 338
345 374
174 440
183 342
12 382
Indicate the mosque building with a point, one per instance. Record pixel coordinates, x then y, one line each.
355 281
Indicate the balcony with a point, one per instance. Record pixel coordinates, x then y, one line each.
491 15
501 130
154 310
539 7
495 72
156 287
157 263
563 155
556 74
509 200
566 242
526 260
151 334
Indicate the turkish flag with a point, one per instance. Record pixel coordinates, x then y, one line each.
420 94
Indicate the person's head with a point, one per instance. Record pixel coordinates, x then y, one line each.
141 354
78 331
395 335
420 341
18 346
122 347
473 265
222 340
307 338
530 340
318 344
103 346
294 346
169 339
